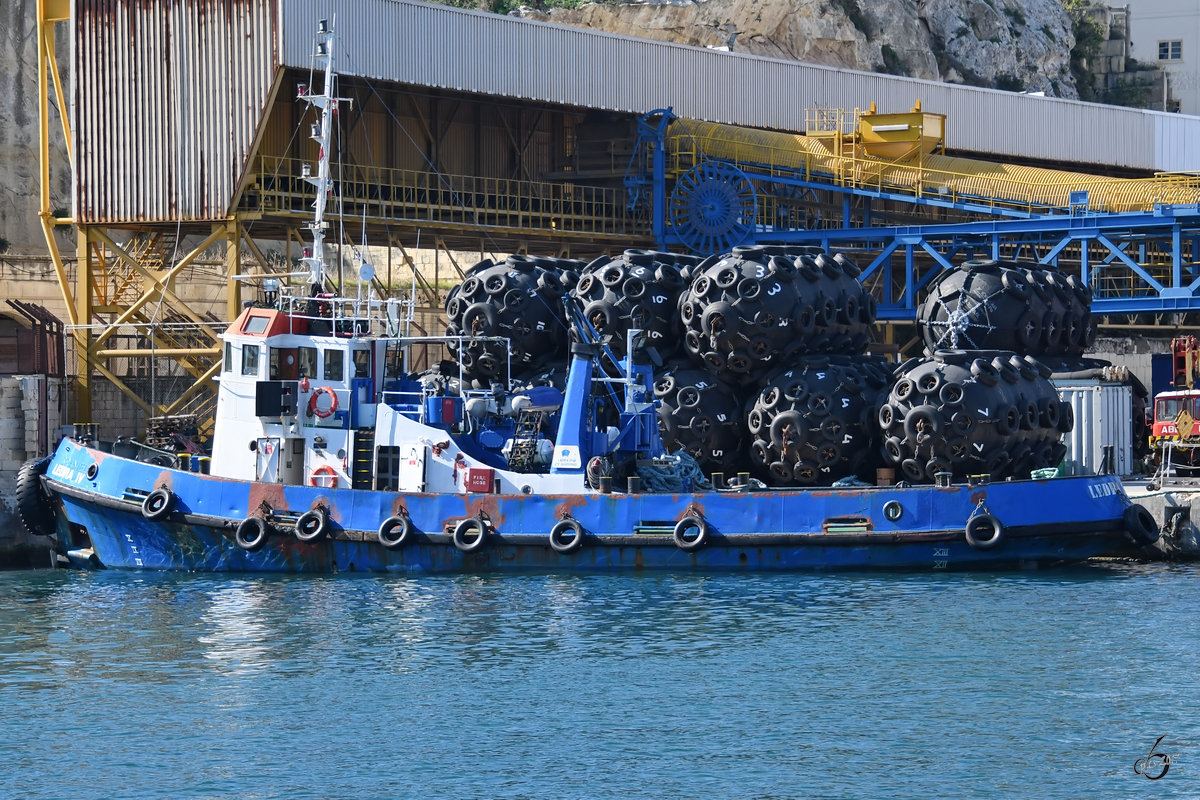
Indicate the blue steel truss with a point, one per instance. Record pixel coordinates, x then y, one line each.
1134 262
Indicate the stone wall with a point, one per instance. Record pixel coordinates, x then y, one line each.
25 434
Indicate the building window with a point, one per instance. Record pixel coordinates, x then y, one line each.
1170 50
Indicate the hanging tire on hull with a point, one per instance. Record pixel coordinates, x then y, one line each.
469 534
566 536
34 506
158 504
690 534
983 532
252 534
394 532
1140 523
313 525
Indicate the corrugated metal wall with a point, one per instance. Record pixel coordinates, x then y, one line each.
168 96
411 42
1103 418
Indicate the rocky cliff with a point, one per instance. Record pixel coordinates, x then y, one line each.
1017 45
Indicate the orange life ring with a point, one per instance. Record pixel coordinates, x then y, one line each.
315 408
324 477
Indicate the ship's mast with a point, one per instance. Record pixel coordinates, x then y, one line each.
321 133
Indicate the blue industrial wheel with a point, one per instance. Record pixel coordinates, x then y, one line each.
713 208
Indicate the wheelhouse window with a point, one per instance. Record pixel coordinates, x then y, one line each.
308 362
1170 50
283 364
335 365
362 363
227 365
256 324
250 356
394 362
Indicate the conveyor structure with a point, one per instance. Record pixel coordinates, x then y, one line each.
881 188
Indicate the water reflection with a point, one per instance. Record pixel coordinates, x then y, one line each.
238 634
599 686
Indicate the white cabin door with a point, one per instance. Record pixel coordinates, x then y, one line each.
412 469
267 467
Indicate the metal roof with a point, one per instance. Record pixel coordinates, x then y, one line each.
471 51
170 95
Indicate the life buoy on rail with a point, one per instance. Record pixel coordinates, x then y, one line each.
394 532
314 404
252 533
690 533
566 536
465 530
1141 524
158 504
984 531
324 477
33 504
312 525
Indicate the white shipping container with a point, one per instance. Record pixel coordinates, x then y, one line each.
1103 419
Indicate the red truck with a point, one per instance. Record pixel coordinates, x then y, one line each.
1177 412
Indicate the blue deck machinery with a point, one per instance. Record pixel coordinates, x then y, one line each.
880 188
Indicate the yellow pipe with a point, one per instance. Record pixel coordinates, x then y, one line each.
1008 185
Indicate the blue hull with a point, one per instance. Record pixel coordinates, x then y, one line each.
923 527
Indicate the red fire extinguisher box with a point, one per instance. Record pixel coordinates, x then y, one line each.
479 479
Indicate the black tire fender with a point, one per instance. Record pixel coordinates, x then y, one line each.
312 525
394 532
158 504
1140 523
464 529
951 394
983 531
566 536
481 314
252 533
683 541
920 417
33 505
984 372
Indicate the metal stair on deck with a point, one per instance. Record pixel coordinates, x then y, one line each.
523 454
362 467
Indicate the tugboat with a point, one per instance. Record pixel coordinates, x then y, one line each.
330 454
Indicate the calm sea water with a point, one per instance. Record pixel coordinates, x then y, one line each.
1044 684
